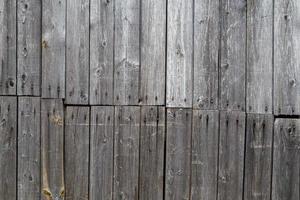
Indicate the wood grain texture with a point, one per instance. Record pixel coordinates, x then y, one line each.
152 145
29 148
179 53
286 160
206 54
29 47
8 147
77 52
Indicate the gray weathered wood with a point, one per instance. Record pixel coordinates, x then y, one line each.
286 57
259 136
8 50
52 145
127 54
101 152
29 148
126 152
233 55
77 152
101 51
8 151
153 41
206 54
286 163
53 48
179 53
178 154
77 52
231 155
29 47
152 145
205 140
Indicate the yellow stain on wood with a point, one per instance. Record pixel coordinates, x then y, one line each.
56 119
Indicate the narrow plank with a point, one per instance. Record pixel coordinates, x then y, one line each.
151 181
29 47
126 152
179 53
205 140
29 148
258 161
53 48
259 56
286 164
233 55
8 50
127 52
206 54
52 145
153 42
77 152
286 59
178 154
231 155
101 51
101 152
8 151
77 52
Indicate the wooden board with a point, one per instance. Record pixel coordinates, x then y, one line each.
286 59
152 146
8 147
101 51
101 152
206 54
126 152
178 154
286 160
77 152
205 140
52 145
29 47
258 161
231 155
53 48
179 53
127 52
77 52
8 50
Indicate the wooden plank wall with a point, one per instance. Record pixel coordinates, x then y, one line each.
149 100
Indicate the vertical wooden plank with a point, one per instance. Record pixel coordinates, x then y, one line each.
286 59
8 151
8 50
52 137
180 53
101 152
205 140
233 54
178 154
258 161
126 152
77 52
53 48
77 152
206 50
127 52
29 138
153 43
286 163
29 47
231 155
259 56
152 152
101 51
